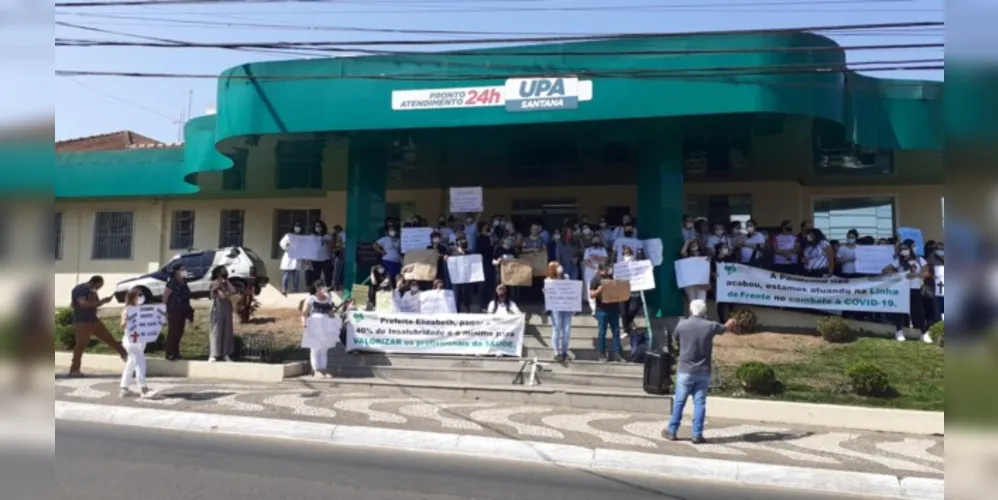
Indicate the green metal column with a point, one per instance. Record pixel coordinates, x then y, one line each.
367 177
661 204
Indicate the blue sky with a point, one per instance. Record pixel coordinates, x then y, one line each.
93 105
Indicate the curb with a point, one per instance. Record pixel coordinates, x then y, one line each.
243 372
663 466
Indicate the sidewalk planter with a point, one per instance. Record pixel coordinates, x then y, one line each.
241 372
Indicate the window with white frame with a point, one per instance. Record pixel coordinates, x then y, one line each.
231 227
182 230
113 233
869 215
57 235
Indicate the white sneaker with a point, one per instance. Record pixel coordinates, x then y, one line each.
124 393
212 360
146 393
899 336
228 359
927 338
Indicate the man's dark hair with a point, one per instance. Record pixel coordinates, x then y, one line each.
95 279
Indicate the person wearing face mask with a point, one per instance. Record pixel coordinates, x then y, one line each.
702 229
338 244
627 239
718 237
607 317
506 250
845 255
290 268
534 244
819 256
565 254
561 321
318 303
914 270
323 267
689 232
177 297
443 251
722 254
471 232
222 336
462 291
503 305
379 281
751 245
593 259
408 297
135 364
625 222
932 302
390 247
609 234
486 247
629 310
786 250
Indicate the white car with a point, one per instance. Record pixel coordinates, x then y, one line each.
246 270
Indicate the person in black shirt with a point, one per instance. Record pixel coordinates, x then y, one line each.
462 291
484 246
606 316
437 243
177 297
86 324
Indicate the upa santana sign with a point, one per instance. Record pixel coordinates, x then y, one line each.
541 94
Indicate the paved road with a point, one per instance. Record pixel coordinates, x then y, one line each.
116 463
906 456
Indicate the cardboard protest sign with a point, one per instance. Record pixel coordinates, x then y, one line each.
384 301
358 293
420 265
538 262
616 291
516 272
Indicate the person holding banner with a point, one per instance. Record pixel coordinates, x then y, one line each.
506 251
462 291
914 269
722 255
318 304
607 316
818 254
594 258
390 247
322 268
561 321
135 365
290 268
694 248
632 308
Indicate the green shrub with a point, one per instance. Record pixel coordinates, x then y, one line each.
868 379
745 320
757 378
834 329
65 337
936 332
64 316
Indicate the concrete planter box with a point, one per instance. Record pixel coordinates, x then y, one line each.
242 372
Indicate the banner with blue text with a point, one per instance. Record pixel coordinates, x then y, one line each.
467 334
740 284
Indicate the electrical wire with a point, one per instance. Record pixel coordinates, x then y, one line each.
599 8
196 23
136 105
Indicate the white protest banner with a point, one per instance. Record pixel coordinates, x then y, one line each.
305 247
641 274
143 323
465 269
740 284
653 250
692 271
940 278
467 334
563 295
437 302
872 259
321 332
465 200
415 238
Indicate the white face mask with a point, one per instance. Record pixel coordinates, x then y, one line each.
561 270
297 229
719 232
750 229
906 253
392 233
414 289
586 231
436 240
625 219
940 253
139 301
628 258
509 227
556 237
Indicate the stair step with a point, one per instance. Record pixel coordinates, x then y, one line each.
484 363
481 376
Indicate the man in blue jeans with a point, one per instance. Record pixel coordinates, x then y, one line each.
606 316
696 344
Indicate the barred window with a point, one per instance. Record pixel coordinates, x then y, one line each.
182 230
231 228
113 232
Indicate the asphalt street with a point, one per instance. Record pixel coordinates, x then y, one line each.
101 462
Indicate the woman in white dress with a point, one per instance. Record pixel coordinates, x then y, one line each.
319 304
290 268
594 257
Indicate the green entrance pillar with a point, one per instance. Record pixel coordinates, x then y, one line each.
367 177
661 203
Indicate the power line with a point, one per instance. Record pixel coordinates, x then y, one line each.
508 40
122 100
640 7
161 21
